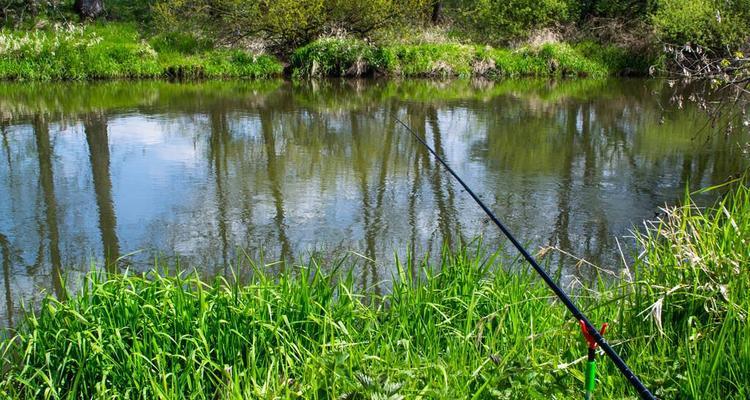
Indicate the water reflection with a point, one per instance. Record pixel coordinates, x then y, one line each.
95 128
213 171
46 181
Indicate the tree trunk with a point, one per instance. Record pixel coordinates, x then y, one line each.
437 12
89 9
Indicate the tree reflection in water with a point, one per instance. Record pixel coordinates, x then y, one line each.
200 170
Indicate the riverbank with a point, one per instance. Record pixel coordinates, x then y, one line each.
118 51
467 327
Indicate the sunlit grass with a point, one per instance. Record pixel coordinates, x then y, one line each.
466 328
117 51
352 57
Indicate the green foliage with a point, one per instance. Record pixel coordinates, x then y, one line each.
72 52
715 24
129 10
335 57
219 64
466 327
179 42
611 8
502 21
284 24
349 57
17 12
113 51
441 60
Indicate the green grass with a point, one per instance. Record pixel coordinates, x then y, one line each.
116 51
466 328
351 57
439 60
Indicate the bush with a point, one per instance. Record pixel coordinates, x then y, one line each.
285 24
502 21
585 59
716 24
335 57
610 8
447 59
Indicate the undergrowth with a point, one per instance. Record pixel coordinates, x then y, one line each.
351 57
466 328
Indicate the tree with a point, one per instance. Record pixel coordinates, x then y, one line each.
284 24
89 9
437 11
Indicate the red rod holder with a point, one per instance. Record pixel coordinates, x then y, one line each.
590 339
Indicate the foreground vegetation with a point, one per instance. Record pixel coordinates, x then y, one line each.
467 328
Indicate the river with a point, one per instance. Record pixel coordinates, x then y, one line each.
214 174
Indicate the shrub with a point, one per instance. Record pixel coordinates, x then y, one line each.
503 21
715 24
285 24
335 57
447 59
611 8
585 59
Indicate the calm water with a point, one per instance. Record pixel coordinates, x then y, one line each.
211 172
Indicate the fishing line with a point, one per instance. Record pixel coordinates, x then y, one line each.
643 392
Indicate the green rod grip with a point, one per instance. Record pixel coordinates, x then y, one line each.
590 378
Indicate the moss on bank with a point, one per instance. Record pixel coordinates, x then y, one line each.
467 327
117 50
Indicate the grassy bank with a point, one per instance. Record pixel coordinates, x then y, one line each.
464 329
351 57
118 51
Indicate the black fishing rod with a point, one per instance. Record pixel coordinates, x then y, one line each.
642 390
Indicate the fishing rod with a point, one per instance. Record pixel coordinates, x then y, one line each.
592 334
